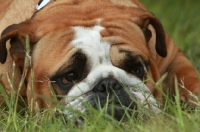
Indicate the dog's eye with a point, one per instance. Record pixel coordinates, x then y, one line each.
67 79
71 77
138 70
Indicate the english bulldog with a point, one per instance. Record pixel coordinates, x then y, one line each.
106 53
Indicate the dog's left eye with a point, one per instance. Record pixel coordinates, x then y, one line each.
67 79
138 70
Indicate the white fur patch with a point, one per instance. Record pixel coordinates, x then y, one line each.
41 4
89 41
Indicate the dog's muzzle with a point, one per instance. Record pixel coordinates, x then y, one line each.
110 94
115 93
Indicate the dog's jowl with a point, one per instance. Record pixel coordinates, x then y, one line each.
101 53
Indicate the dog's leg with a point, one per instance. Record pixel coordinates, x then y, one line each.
188 82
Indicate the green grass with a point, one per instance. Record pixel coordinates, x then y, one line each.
181 20
172 118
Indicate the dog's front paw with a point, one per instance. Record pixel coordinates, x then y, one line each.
189 97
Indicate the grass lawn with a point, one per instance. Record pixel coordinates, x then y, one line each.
181 19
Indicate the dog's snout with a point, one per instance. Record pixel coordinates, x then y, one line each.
107 85
111 93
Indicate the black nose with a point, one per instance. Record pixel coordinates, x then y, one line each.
107 85
110 93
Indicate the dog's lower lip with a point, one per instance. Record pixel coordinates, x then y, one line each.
121 108
119 112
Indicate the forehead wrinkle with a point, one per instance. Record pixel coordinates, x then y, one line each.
124 32
118 54
134 52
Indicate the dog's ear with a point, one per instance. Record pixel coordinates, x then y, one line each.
149 19
16 33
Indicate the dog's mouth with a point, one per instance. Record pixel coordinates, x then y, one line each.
118 107
110 105
119 111
110 111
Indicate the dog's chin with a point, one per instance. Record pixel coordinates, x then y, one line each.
114 111
119 112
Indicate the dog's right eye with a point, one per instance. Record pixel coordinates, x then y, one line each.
67 80
69 74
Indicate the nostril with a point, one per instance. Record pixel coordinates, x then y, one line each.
102 88
114 84
117 86
107 85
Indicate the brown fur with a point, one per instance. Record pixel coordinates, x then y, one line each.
127 16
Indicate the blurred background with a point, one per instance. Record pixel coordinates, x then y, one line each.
181 19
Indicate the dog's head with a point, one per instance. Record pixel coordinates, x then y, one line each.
98 53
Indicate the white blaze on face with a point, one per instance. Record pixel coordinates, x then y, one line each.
88 40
